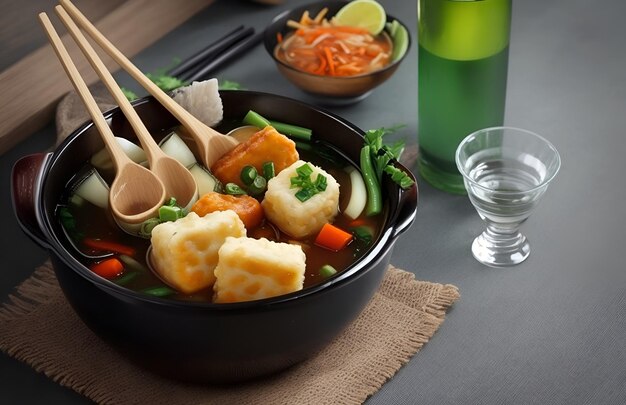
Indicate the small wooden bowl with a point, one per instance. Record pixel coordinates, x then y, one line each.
328 89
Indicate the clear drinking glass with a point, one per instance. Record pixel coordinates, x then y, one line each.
506 171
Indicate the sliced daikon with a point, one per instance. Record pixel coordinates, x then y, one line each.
358 194
174 146
102 159
93 189
205 180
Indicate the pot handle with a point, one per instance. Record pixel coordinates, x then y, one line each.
407 209
26 179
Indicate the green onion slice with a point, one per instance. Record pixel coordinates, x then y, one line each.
233 189
268 170
327 271
248 175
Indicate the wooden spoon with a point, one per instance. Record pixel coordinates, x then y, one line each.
211 144
136 193
178 181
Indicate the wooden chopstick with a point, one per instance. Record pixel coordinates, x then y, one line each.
211 143
147 142
211 51
81 89
174 108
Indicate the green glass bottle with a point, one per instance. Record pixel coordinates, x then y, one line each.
462 69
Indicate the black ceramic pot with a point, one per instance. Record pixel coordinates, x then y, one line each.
206 342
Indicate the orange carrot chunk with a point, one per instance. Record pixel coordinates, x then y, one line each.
109 268
333 238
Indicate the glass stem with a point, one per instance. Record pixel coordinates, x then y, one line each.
503 235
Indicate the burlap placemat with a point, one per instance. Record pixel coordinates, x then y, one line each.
38 327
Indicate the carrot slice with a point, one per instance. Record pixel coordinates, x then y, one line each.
329 58
109 246
108 268
333 238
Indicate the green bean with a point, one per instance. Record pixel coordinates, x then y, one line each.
363 233
126 278
374 198
293 131
158 291
133 264
253 118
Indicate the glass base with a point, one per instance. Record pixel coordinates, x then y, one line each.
443 180
500 251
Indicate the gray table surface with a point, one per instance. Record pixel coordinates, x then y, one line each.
551 330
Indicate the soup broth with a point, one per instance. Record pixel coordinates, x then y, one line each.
90 222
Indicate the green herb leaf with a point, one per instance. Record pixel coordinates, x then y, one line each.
129 94
383 155
399 177
165 82
230 85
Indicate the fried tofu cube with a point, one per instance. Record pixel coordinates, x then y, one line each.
185 252
300 218
247 208
266 145
251 269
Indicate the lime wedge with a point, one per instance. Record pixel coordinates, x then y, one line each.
367 14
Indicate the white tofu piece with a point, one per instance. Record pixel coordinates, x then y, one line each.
294 217
251 269
185 252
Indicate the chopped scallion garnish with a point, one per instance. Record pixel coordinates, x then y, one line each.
233 189
248 174
147 226
258 186
170 213
268 170
308 187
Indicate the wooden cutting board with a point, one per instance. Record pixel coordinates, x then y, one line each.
31 88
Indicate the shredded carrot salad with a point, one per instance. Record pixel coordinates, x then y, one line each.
321 47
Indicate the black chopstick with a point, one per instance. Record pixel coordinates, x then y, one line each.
193 64
215 47
204 70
